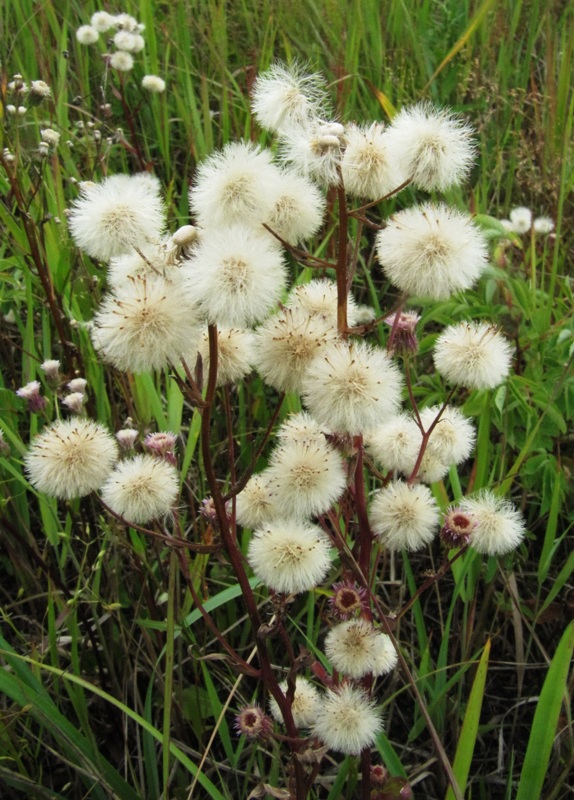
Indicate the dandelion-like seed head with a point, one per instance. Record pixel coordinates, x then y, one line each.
71 458
347 721
452 438
301 428
306 479
86 34
141 489
146 324
297 208
315 150
289 556
284 97
111 218
356 648
319 298
304 706
235 354
473 354
237 276
431 146
543 225
521 219
255 505
367 170
404 517
431 251
153 83
122 60
286 344
350 387
499 526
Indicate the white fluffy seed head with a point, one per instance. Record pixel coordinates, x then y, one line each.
284 97
473 354
153 83
102 21
431 146
351 387
122 60
319 298
235 354
235 185
289 556
521 219
152 260
146 324
368 171
315 150
237 276
122 212
395 443
305 703
141 489
306 479
297 208
347 721
404 517
287 343
86 34
499 526
355 649
431 251
255 504
71 458
452 438
543 225
301 428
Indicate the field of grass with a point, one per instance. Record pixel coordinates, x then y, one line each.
114 680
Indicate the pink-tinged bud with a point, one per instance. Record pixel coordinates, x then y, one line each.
457 528
403 339
31 394
253 723
394 789
348 599
51 369
126 438
74 402
378 774
162 445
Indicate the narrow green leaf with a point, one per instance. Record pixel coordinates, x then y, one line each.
545 720
467 740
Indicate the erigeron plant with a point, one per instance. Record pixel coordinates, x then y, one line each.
213 300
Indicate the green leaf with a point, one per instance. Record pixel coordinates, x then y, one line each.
545 721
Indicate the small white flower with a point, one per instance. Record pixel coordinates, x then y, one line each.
305 703
153 83
431 146
286 344
141 489
235 185
351 387
237 276
87 35
51 369
431 251
74 402
122 212
284 97
499 526
473 354
50 136
122 61
77 385
71 458
289 556
521 219
355 649
404 517
306 479
347 721
368 171
40 89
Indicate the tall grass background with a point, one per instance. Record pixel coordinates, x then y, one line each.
111 685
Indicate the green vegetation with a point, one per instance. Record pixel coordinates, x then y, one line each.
112 684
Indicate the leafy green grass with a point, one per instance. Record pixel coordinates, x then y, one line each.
93 617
